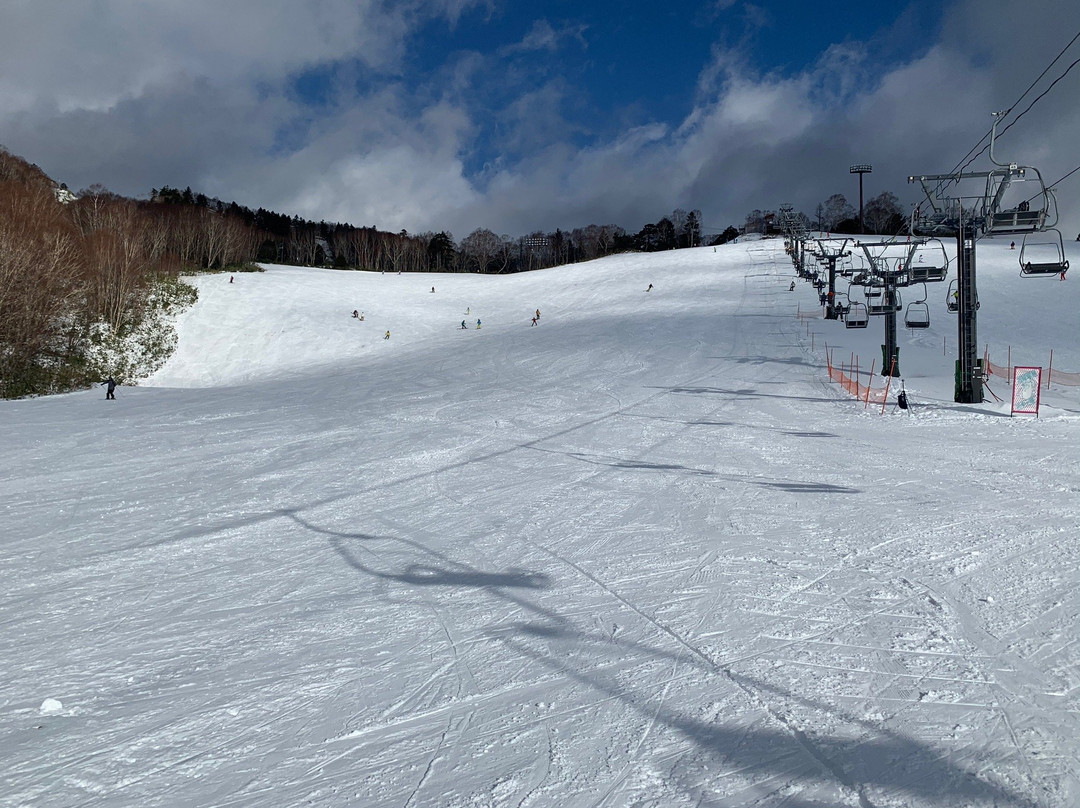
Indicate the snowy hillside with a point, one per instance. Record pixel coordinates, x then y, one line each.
644 553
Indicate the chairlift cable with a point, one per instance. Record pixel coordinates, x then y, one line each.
1033 103
1066 176
961 165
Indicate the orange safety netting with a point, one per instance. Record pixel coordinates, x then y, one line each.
850 382
1061 377
1052 376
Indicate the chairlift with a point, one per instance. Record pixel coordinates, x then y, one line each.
917 314
841 305
857 316
946 210
931 270
1033 215
1046 248
952 299
879 307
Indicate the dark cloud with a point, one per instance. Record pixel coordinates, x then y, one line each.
136 96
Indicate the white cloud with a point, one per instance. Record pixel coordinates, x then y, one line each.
193 92
543 37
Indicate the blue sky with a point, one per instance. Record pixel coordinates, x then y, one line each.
457 114
621 65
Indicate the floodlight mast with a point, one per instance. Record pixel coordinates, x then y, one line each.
860 169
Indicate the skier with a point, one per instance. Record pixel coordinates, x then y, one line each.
433 290
792 287
361 318
534 321
1012 245
463 326
466 311
650 288
230 279
356 314
477 322
387 335
538 314
110 386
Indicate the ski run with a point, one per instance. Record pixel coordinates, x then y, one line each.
645 553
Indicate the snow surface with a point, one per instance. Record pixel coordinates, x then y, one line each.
644 553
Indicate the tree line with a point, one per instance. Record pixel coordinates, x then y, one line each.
882 215
87 279
294 240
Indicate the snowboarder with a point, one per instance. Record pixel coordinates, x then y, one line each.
1012 245
463 326
650 288
361 318
466 311
387 335
478 322
433 290
792 287
356 314
110 387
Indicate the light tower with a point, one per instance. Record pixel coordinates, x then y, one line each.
862 168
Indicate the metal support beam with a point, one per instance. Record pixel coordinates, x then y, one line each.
969 370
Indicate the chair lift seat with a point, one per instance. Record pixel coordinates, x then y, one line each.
1050 268
928 274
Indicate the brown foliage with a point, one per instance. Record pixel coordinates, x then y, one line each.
41 262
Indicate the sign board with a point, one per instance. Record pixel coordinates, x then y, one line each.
1025 390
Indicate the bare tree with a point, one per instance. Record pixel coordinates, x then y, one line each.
480 248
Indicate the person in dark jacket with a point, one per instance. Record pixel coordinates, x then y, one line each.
110 387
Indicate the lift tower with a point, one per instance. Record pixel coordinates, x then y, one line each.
831 256
948 212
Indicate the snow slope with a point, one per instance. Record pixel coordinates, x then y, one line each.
644 553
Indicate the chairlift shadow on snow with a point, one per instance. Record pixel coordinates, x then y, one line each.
440 572
447 575
880 759
746 392
806 487
633 464
794 486
642 464
795 361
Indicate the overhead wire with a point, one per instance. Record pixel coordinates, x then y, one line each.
961 164
1029 106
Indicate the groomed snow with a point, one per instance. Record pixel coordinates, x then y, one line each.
644 553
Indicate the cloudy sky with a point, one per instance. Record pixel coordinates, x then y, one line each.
458 114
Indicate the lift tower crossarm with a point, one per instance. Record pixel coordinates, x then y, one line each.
831 257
